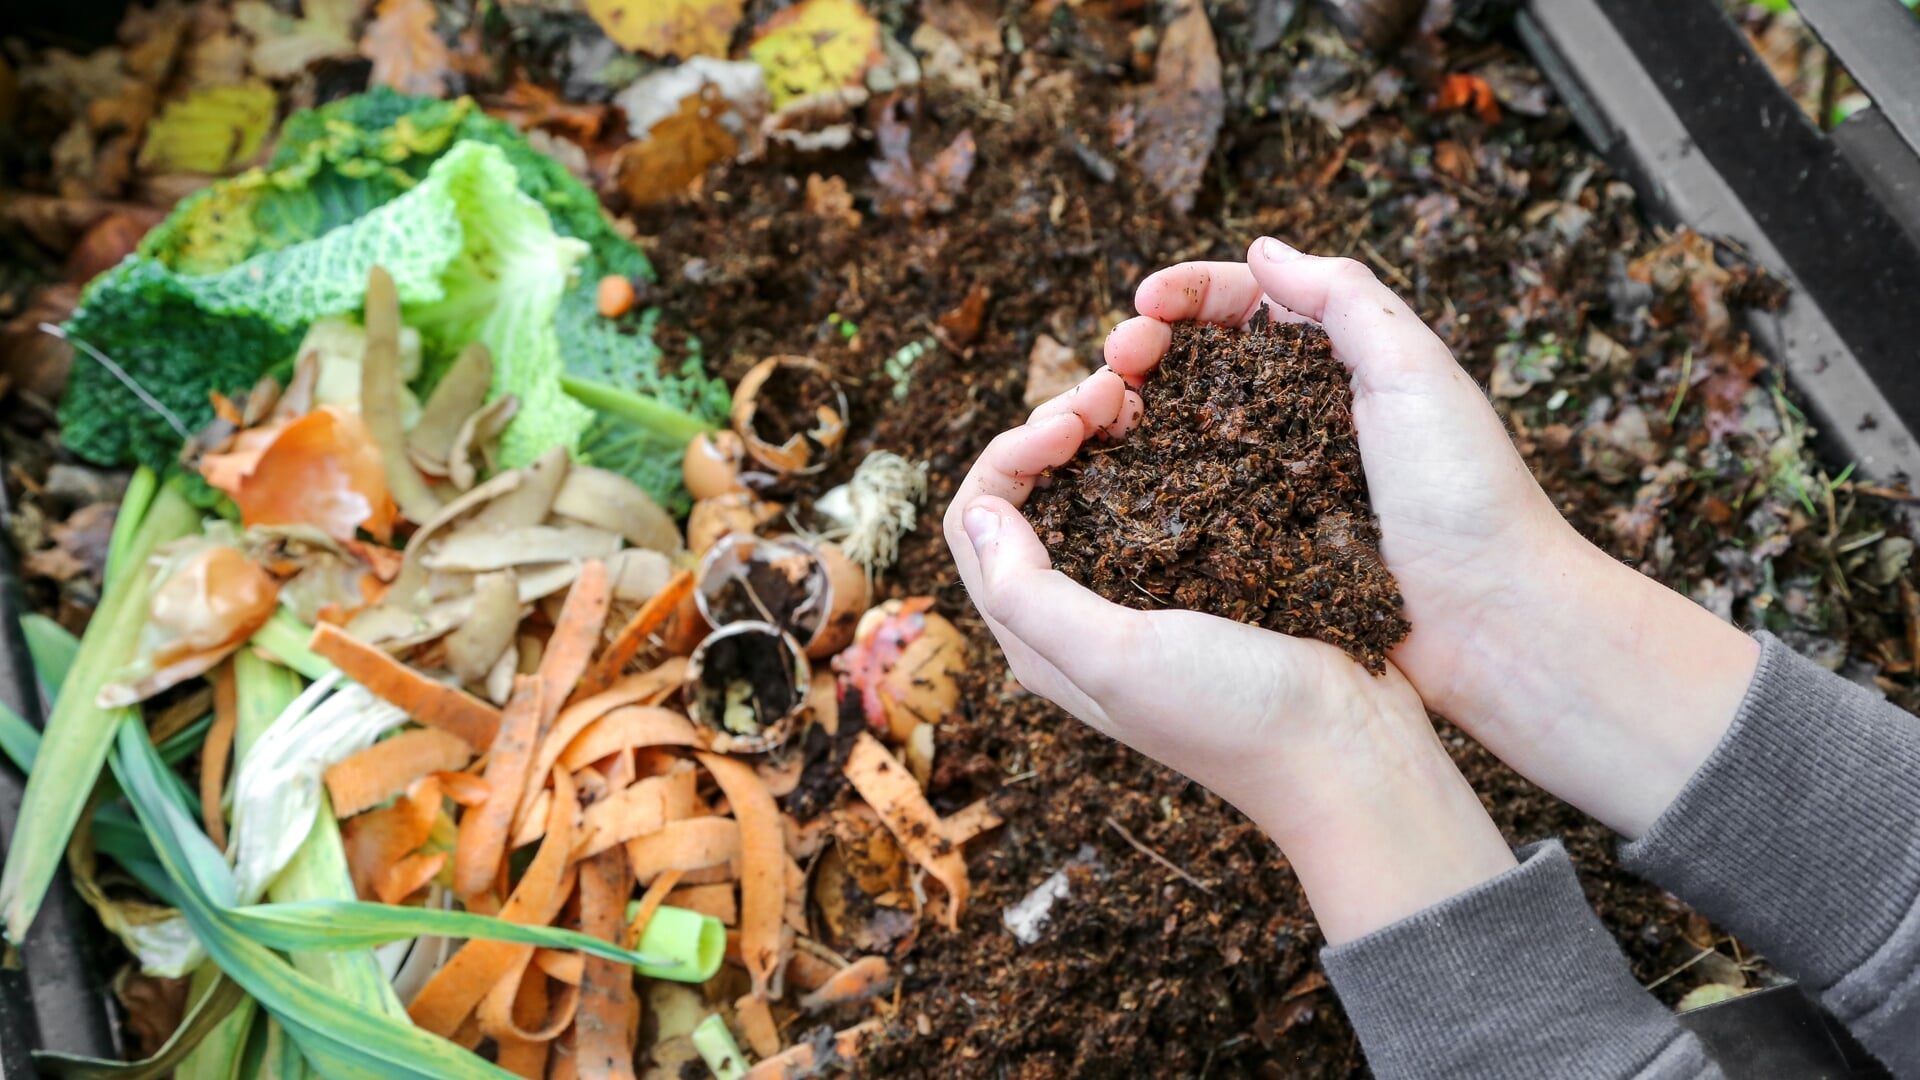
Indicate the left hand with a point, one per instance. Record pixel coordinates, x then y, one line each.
1340 767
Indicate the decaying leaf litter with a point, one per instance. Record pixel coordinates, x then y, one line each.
917 235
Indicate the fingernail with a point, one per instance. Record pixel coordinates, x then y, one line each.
1274 251
983 526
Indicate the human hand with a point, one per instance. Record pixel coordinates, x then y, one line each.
1341 768
1585 676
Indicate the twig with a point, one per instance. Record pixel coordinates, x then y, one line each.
1392 270
1156 856
1704 953
1894 494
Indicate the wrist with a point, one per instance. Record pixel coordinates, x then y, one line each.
1598 683
1383 829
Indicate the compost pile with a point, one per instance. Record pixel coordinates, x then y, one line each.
939 205
1239 494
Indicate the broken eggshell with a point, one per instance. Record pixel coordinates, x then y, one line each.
812 591
903 663
747 684
722 515
790 414
712 464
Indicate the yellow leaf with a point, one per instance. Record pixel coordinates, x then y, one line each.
211 130
815 45
679 28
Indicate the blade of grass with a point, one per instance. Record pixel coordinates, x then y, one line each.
79 733
341 1041
212 1008
326 925
318 870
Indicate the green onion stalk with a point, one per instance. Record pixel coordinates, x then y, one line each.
79 733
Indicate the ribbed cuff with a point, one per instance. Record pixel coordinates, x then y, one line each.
1801 831
1514 978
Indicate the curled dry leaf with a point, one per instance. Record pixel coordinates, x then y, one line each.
676 151
829 198
1181 115
406 51
685 119
208 602
914 191
322 469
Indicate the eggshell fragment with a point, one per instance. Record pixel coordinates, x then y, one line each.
712 463
746 684
764 407
715 517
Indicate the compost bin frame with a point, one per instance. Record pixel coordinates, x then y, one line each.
1670 91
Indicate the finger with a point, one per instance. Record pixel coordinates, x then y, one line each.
1373 331
1006 471
1017 588
1130 411
1096 400
1136 346
1223 293
1007 467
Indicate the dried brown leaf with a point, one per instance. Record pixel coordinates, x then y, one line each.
1179 118
406 51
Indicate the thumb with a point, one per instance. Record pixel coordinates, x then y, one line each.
1020 590
1373 331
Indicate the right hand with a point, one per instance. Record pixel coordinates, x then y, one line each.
1523 633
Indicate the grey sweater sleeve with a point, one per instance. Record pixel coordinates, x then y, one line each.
1801 835
1515 978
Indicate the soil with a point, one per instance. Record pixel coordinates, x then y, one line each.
1661 439
1493 236
1240 494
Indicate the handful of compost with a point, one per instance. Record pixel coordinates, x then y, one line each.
1240 494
